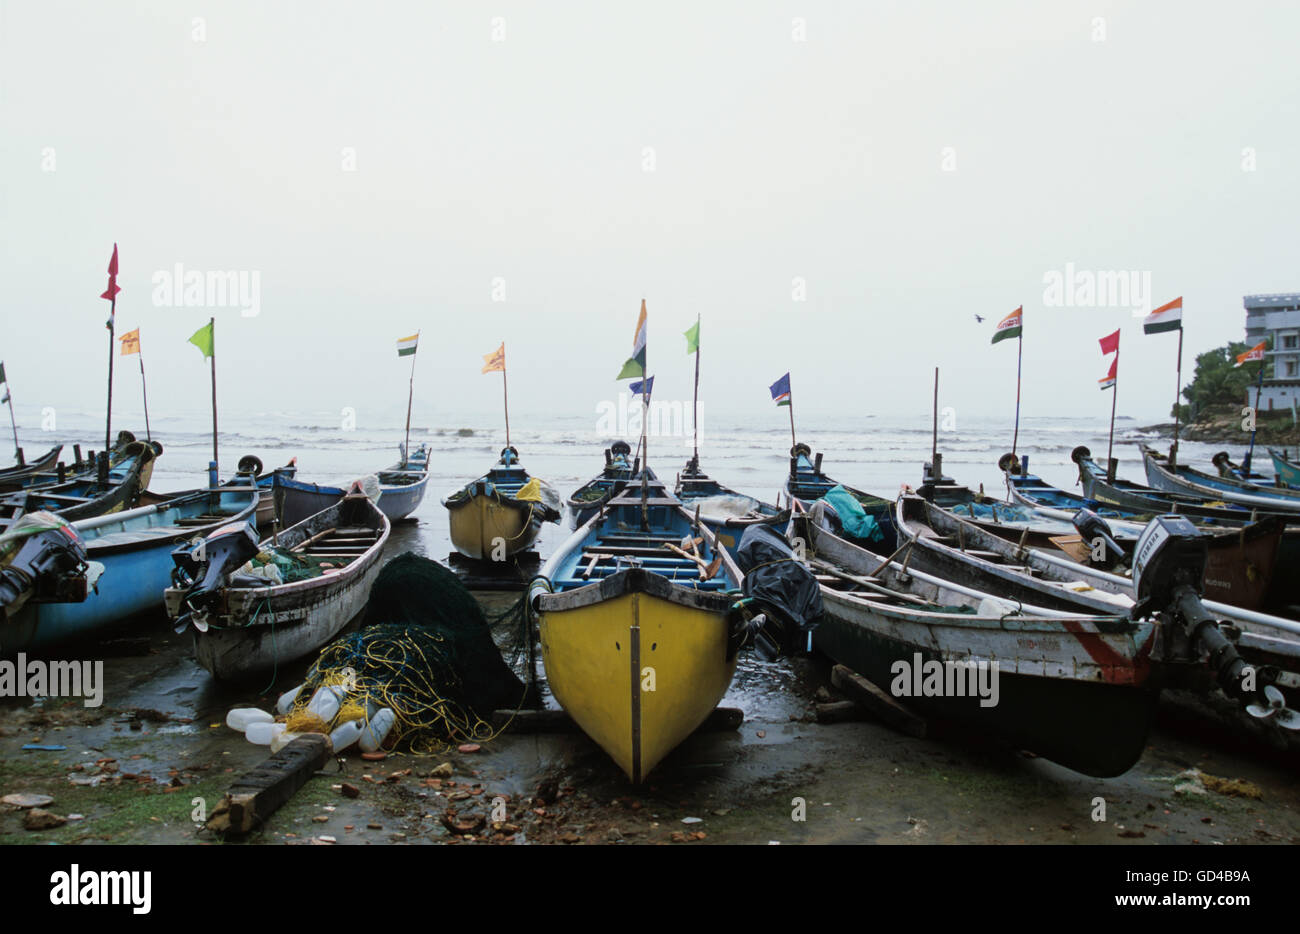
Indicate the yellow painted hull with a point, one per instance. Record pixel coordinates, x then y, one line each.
481 526
637 673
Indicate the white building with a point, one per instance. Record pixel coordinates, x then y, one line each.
1277 319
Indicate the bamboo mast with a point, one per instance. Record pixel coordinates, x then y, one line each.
213 358
505 391
1178 391
1020 348
9 397
410 398
1114 398
695 405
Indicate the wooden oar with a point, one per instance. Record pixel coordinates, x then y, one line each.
706 570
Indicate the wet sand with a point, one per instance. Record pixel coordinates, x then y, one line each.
140 768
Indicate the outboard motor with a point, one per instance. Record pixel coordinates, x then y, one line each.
783 602
204 567
1095 532
1168 577
43 560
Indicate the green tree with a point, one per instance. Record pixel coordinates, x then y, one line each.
1217 382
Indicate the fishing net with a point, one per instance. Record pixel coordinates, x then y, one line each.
289 566
426 652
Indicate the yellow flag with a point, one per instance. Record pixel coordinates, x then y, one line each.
130 342
496 360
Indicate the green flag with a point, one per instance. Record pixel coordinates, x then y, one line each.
202 339
2 372
693 338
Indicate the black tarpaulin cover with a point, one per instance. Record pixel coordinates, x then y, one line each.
773 577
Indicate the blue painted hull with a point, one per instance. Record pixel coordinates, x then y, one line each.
298 500
135 549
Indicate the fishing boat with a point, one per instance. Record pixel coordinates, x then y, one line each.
113 487
596 492
1246 558
990 562
253 606
399 490
501 513
727 513
637 614
1286 470
45 462
1073 687
1177 478
134 549
1145 499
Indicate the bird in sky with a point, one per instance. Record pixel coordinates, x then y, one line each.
979 319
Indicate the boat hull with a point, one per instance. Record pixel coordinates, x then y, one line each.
1091 726
257 629
485 528
289 631
137 570
637 671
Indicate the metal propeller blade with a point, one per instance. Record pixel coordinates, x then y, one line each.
1275 709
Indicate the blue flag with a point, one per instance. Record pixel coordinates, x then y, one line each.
781 390
636 388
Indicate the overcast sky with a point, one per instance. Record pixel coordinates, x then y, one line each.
382 167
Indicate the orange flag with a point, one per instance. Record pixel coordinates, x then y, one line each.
1255 353
130 342
496 360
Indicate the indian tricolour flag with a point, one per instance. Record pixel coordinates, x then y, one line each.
1165 318
406 346
1108 381
635 365
1009 326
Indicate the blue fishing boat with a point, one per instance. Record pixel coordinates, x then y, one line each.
22 468
134 549
724 511
588 498
400 490
1287 470
1178 478
115 485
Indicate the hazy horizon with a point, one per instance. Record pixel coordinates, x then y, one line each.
834 192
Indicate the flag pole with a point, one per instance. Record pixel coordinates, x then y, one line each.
793 443
645 443
505 392
1020 348
934 433
410 397
1114 398
112 346
144 391
1178 391
212 326
695 406
9 397
1259 390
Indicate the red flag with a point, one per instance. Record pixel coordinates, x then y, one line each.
1110 343
111 292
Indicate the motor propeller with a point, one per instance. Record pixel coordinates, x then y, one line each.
1274 709
1168 577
